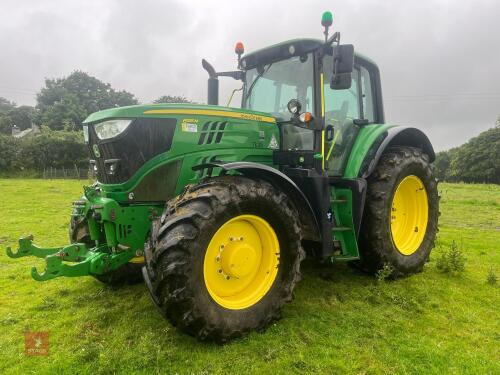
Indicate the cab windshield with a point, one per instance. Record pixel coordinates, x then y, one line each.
270 87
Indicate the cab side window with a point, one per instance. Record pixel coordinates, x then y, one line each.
342 107
367 95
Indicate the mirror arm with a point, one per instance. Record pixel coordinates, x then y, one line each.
237 75
295 121
334 38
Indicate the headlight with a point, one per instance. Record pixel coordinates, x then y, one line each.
111 128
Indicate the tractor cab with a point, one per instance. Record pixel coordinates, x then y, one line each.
297 82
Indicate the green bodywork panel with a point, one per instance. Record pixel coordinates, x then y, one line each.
245 139
365 139
344 231
342 200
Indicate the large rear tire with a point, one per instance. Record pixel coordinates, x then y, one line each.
224 257
129 273
401 214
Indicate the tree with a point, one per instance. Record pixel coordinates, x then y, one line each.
6 105
11 115
442 165
8 153
172 99
478 160
5 124
55 149
66 102
22 116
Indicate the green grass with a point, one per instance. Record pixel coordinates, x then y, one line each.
339 322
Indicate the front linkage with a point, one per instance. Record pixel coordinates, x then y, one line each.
117 235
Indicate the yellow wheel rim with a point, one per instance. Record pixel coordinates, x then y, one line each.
241 262
137 260
409 215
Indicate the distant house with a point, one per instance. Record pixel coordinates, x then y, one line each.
30 132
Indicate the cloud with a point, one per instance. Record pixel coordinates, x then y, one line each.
438 59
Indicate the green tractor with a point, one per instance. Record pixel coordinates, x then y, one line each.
215 207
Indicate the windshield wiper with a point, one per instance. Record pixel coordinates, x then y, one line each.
255 80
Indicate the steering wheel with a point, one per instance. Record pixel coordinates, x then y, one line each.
339 116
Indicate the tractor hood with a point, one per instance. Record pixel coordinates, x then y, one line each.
122 140
162 110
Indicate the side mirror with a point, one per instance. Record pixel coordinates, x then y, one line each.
343 65
341 81
343 58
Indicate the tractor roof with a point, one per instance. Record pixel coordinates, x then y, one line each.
293 47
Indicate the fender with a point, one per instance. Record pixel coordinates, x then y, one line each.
309 224
395 136
373 140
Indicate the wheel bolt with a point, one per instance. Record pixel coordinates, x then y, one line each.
220 271
217 259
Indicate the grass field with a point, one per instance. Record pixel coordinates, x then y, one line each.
340 322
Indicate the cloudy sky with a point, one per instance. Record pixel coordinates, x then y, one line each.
439 59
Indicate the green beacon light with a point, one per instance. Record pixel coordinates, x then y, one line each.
326 22
327 19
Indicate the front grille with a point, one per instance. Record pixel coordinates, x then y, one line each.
212 132
144 139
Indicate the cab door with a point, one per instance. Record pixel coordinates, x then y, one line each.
345 112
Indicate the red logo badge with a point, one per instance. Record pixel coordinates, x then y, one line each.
36 343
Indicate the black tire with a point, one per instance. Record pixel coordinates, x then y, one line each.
377 247
129 273
79 230
179 239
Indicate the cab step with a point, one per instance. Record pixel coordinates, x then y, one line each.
341 229
338 201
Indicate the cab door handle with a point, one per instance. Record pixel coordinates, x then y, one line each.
329 133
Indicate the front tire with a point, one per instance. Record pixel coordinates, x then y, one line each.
401 214
224 257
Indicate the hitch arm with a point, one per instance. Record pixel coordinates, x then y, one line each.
26 248
55 267
96 261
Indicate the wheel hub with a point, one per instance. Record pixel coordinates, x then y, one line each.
241 262
238 259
